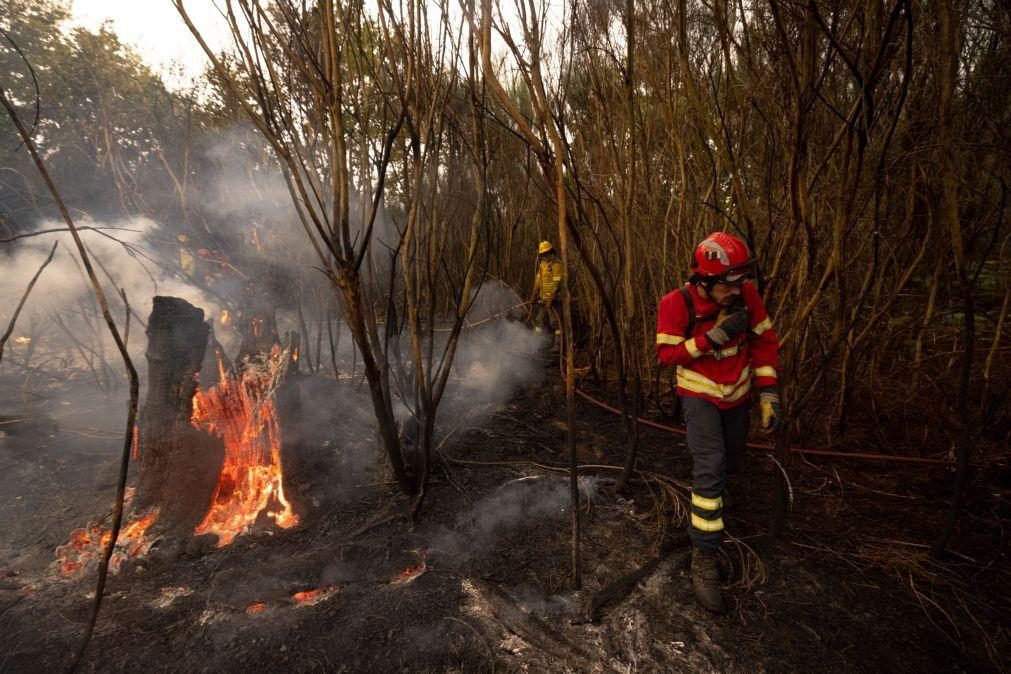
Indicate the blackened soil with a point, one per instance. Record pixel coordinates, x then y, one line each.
847 588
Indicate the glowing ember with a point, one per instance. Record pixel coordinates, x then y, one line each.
226 317
312 597
253 609
86 546
411 574
241 410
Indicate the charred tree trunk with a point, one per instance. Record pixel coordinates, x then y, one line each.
179 465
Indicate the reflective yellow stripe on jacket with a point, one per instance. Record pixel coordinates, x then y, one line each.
690 380
762 326
671 340
693 349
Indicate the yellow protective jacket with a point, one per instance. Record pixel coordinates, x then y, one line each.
547 280
187 262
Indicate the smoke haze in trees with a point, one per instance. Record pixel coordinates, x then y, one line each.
136 262
252 230
247 191
248 229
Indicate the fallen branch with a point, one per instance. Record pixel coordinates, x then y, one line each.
617 590
535 631
17 312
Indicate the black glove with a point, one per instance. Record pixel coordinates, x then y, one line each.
729 324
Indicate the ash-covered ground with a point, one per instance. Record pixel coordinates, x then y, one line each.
482 581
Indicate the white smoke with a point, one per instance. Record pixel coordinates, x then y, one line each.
129 257
535 501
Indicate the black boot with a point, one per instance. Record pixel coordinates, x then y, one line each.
729 501
706 581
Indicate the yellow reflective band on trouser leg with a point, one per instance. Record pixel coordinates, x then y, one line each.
707 503
703 524
766 371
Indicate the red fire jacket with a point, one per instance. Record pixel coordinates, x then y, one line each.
720 375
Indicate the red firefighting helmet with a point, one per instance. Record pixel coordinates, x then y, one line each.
723 258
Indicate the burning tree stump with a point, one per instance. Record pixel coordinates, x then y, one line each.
179 464
211 454
243 410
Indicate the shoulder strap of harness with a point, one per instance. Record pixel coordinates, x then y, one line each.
686 295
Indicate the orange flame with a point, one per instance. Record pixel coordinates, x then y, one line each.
411 574
253 609
226 317
242 411
87 545
312 597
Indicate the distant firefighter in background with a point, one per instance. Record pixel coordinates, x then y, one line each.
545 293
187 263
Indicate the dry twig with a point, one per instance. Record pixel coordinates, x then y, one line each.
24 297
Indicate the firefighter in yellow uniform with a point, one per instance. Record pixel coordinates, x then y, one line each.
547 281
187 262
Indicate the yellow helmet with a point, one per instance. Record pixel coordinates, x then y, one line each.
183 238
545 247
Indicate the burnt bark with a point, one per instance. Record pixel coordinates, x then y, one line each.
179 464
257 321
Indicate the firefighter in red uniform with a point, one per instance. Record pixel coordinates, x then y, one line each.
716 331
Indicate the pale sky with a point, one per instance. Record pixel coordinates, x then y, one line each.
154 29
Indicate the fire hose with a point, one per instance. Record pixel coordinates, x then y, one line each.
677 431
859 456
866 456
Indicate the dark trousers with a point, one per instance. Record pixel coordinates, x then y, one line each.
546 317
716 440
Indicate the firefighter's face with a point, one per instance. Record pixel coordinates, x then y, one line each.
725 294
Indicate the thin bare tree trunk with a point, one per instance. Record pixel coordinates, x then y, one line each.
131 417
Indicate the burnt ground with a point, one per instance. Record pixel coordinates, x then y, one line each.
847 588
